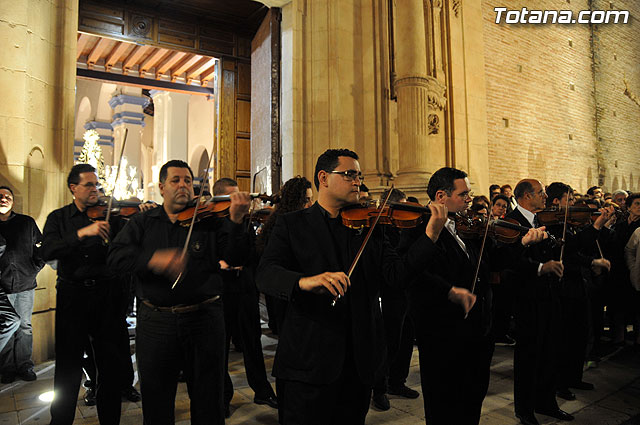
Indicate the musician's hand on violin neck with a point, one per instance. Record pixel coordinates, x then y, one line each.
436 221
463 298
534 236
605 214
240 203
168 262
553 267
334 283
97 228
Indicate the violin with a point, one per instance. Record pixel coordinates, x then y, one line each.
406 215
124 209
576 216
403 215
217 206
506 230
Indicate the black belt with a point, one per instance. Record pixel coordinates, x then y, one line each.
181 308
86 283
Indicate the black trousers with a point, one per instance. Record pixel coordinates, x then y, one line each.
241 312
192 342
535 361
343 402
125 365
399 334
82 311
455 378
503 300
575 334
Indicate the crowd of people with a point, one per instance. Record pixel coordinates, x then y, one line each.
347 303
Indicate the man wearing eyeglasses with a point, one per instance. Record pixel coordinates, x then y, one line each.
329 357
455 346
87 299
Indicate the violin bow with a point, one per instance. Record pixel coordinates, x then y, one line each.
484 241
205 181
115 182
599 249
564 228
366 240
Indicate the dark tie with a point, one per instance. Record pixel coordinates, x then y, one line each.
535 221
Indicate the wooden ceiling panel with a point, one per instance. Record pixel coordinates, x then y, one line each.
121 48
100 49
96 52
83 40
185 64
168 62
134 58
199 68
152 60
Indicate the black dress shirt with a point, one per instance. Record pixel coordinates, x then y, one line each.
212 240
78 260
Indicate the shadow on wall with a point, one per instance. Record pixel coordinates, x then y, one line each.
589 180
35 180
536 166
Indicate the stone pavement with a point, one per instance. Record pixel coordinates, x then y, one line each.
616 399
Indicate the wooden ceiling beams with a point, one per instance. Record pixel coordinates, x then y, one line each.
114 56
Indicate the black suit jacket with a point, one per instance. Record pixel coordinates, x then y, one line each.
524 273
316 337
447 264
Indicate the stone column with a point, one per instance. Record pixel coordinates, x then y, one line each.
128 115
411 89
170 125
418 94
37 76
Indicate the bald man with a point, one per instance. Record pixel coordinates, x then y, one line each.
536 281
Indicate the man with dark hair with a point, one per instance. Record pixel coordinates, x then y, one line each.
242 316
87 301
329 356
455 348
578 262
180 317
535 277
595 192
494 190
19 266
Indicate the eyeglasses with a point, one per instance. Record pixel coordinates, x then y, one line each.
465 195
92 185
350 175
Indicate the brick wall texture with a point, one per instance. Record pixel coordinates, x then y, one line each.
556 108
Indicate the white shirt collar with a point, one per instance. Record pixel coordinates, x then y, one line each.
527 214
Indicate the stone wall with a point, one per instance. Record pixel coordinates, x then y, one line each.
37 76
552 95
617 58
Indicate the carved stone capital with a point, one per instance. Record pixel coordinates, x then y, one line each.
435 89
